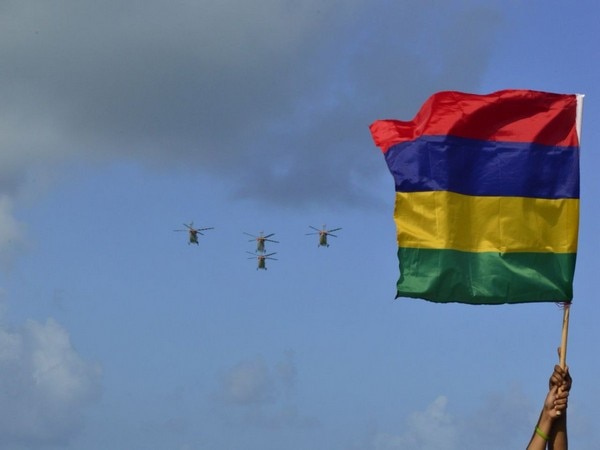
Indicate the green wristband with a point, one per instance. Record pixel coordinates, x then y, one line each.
541 434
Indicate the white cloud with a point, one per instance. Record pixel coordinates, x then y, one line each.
45 385
432 429
503 420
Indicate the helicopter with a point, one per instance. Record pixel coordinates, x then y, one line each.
260 241
323 235
193 232
261 259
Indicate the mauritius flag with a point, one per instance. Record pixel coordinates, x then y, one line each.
487 196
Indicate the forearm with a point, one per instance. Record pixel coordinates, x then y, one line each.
541 432
558 434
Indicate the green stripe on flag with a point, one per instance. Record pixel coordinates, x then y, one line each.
485 277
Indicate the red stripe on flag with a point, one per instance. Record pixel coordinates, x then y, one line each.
508 116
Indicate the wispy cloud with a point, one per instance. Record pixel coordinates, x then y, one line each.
45 385
254 393
503 420
248 383
432 429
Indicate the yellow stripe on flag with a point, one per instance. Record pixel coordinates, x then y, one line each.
446 220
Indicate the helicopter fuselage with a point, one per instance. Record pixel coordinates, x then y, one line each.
323 240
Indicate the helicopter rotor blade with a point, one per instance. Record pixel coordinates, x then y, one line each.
335 229
268 236
310 226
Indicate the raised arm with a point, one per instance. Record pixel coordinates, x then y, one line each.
558 433
555 405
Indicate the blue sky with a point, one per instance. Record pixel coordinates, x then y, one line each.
122 120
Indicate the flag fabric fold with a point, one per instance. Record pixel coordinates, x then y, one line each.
487 196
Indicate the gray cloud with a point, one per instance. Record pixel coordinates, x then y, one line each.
45 385
272 93
273 96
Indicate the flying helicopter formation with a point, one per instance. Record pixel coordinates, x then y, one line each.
260 254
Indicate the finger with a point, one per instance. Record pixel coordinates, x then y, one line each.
561 401
560 408
556 379
561 393
567 379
